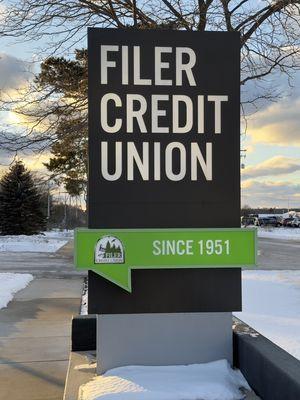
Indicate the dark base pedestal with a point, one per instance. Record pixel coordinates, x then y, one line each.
168 291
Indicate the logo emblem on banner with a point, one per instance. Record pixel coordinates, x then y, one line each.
109 250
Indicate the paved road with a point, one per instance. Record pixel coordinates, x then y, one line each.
42 265
278 254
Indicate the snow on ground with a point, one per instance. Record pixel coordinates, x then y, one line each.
11 284
271 305
211 381
279 233
84 298
56 233
49 242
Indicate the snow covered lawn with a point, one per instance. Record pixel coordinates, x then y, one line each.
279 233
11 284
271 305
56 233
211 381
50 242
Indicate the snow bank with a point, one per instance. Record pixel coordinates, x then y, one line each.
33 243
56 233
211 381
271 305
279 233
11 284
84 298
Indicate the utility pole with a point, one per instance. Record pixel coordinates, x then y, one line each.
243 157
49 202
65 213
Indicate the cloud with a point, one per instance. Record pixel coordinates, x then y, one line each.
278 124
277 165
270 194
14 73
34 162
250 148
270 186
275 123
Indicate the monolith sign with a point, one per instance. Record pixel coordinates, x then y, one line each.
163 153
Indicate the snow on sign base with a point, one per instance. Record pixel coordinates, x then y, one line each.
211 381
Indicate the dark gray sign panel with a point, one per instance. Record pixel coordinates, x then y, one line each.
164 136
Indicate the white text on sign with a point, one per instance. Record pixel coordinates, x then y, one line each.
156 113
188 247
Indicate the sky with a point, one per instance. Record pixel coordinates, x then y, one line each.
271 177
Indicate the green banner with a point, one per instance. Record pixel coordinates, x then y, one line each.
113 253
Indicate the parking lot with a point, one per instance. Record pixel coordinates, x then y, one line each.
285 220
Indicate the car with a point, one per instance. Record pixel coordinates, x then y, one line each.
296 222
267 221
246 221
287 222
277 219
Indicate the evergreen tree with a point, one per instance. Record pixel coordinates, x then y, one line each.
107 249
20 203
118 251
68 161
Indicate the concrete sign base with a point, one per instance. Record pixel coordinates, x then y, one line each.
162 339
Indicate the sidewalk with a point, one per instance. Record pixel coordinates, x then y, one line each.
35 339
42 265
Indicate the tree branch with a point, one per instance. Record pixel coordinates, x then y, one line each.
134 13
272 9
203 7
177 14
227 15
275 63
238 6
114 15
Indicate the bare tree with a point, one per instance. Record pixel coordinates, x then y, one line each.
269 28
269 31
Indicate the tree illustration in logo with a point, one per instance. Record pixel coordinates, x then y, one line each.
112 251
